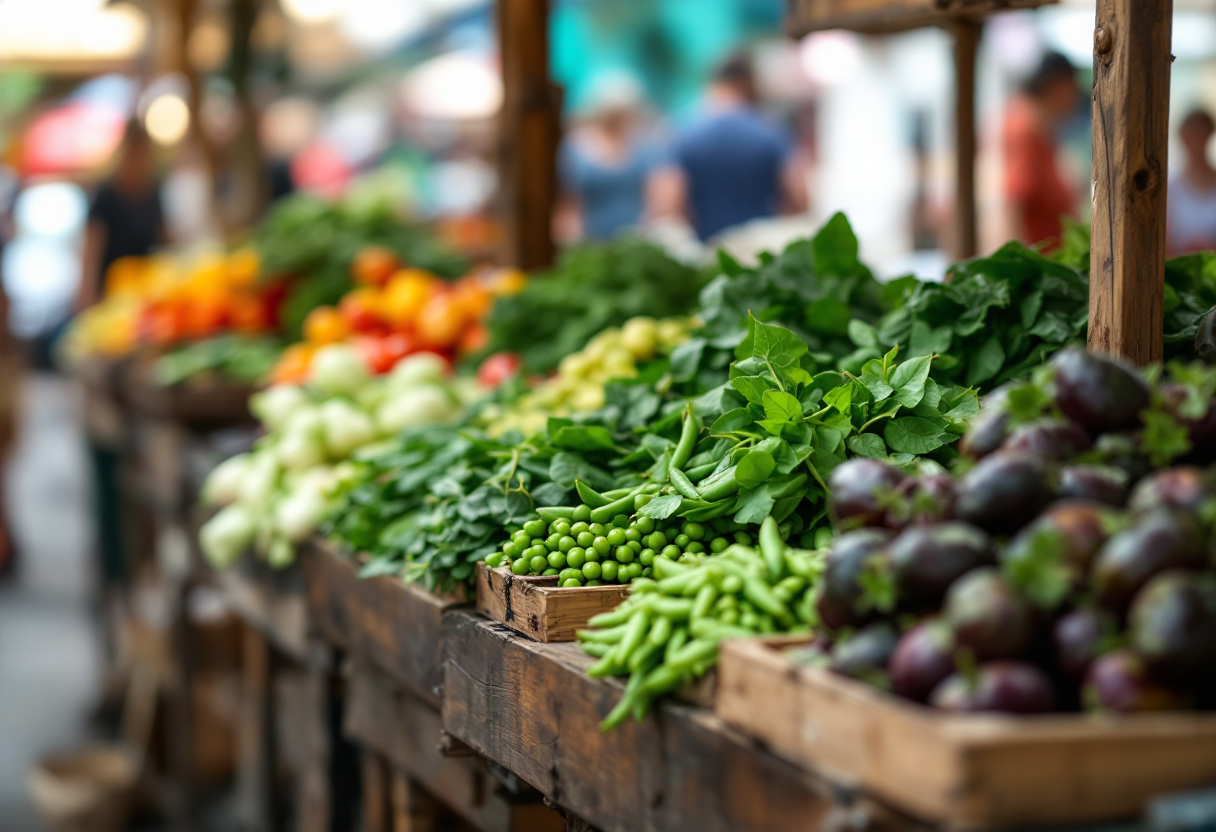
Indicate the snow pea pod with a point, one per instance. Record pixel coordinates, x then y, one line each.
589 495
551 513
723 488
683 484
605 513
688 439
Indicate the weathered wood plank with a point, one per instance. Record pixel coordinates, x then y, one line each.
537 607
874 16
1131 142
531 708
380 620
973 771
966 46
271 601
402 729
255 775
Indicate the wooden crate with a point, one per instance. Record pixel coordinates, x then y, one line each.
961 771
271 601
383 620
532 709
538 607
201 405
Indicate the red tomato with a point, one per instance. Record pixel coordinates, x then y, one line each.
381 354
359 309
498 368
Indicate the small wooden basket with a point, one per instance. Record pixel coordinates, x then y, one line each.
91 790
537 607
961 771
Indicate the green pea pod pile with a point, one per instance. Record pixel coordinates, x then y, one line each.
666 634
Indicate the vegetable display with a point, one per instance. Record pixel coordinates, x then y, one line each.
666 633
1069 566
275 496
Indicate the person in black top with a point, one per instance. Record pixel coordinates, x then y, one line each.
125 219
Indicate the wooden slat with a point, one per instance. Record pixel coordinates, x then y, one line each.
530 130
1131 124
537 607
402 729
966 46
970 771
874 16
380 620
270 600
255 774
531 708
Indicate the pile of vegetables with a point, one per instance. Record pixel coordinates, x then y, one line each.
1069 565
666 633
276 495
241 359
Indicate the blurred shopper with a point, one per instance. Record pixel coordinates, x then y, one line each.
1035 189
730 166
1192 193
604 164
125 219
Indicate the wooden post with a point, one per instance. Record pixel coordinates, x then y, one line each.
967 34
1131 124
530 126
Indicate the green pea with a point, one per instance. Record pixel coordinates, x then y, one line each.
628 572
495 560
539 564
641 500
578 528
601 545
616 537
646 557
557 560
625 555
565 544
656 541
749 620
510 550
718 544
569 573
540 550
536 541
632 534
635 546
521 538
743 539
671 552
592 556
573 581
597 529
621 521
534 528
729 616
696 547
585 539
561 527
582 513
592 570
550 572
521 566
644 525
694 530
686 558
682 540
595 583
552 540
576 557
648 572
608 570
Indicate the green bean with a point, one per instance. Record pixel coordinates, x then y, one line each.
605 513
618 714
772 548
701 471
689 433
612 618
615 494
694 651
660 631
710 511
682 484
609 636
644 655
664 679
589 495
679 637
635 632
674 608
759 594
724 487
552 513
706 596
596 649
667 568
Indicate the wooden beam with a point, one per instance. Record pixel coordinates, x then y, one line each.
1131 101
530 126
876 16
967 35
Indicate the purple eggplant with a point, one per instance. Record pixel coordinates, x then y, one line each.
1184 487
1002 687
1099 393
988 430
1057 439
840 593
928 498
1173 625
1161 539
925 560
1119 682
1101 483
866 653
1003 492
861 490
923 657
988 617
1077 638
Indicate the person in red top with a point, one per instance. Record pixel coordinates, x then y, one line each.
1037 194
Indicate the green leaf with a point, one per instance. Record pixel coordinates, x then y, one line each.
660 508
781 407
753 388
868 445
985 362
731 421
827 440
1026 402
908 379
1037 567
828 316
583 438
755 468
686 358
753 506
729 265
776 344
1164 438
566 468
1029 307
840 398
871 377
862 334
926 340
834 249
914 435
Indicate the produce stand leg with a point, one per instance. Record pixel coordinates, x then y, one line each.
1131 100
180 723
327 789
377 801
256 770
966 44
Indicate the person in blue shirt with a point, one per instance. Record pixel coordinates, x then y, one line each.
730 166
604 165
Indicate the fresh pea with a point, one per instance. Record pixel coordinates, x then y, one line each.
647 572
565 543
724 487
695 547
641 501
616 537
635 545
695 531
591 555
682 484
624 554
495 560
646 557
585 539
700 472
618 493
682 540
569 572
605 513
632 534
670 551
656 541
602 545
557 560
510 550
536 541
608 570
572 582
534 528
521 538
743 538
551 540
595 582
597 529
621 521
629 571
689 432
591 570
540 550
582 513
549 573
561 527
579 528
576 557
539 564
718 545
521 567
644 525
